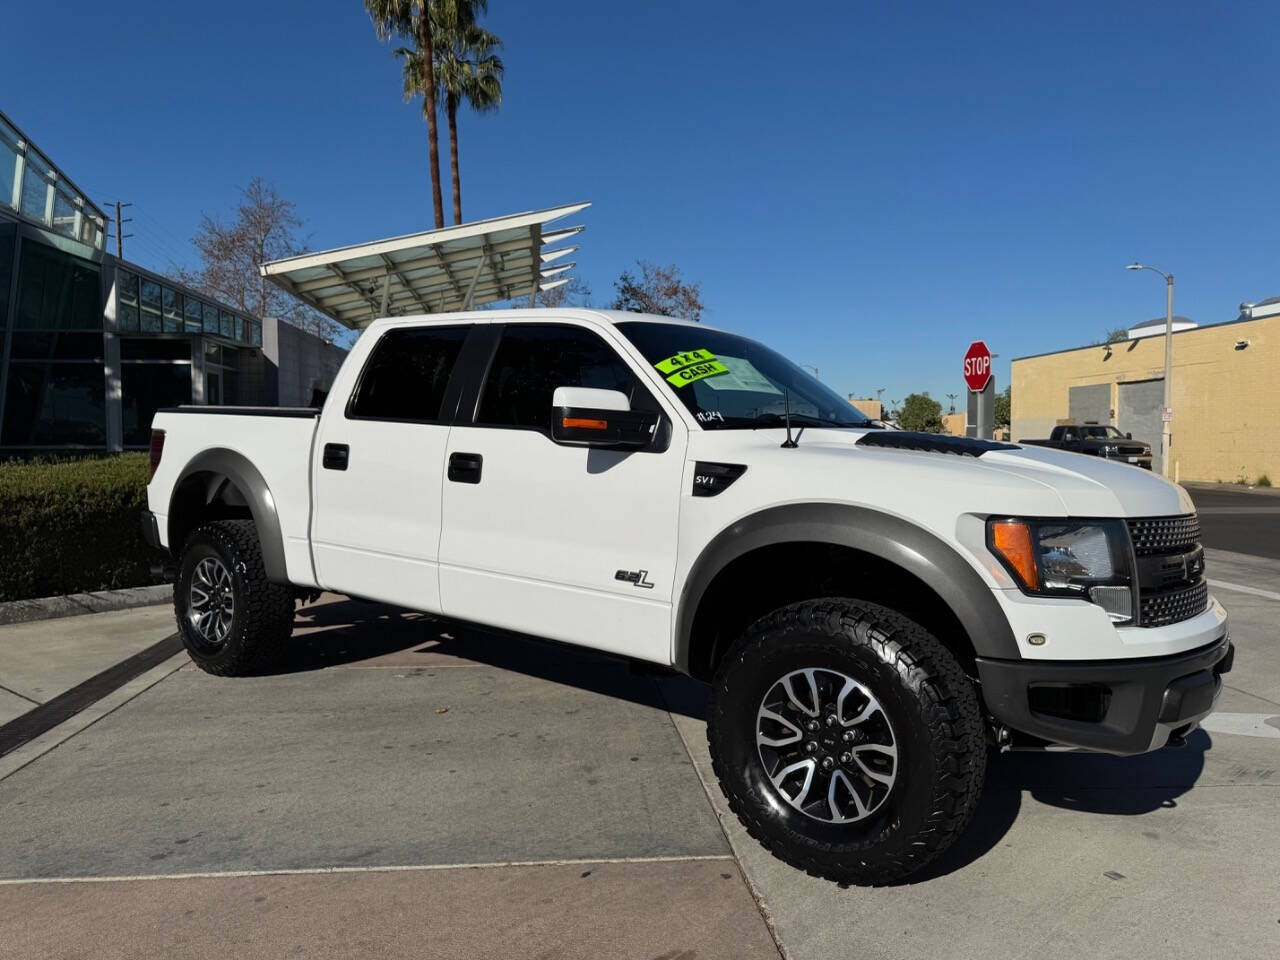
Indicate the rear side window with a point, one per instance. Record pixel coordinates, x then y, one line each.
406 375
533 359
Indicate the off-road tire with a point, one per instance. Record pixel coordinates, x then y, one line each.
262 617
931 704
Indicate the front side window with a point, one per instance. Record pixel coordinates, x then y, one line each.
406 375
729 382
533 359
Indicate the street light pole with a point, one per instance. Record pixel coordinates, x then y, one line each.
1166 410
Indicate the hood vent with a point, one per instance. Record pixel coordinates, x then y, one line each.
932 443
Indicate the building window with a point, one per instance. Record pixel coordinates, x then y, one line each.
9 154
8 235
146 388
172 301
254 332
226 322
37 180
192 314
151 298
210 319
64 213
57 291
55 405
127 301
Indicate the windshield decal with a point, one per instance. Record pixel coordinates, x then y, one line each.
689 366
745 377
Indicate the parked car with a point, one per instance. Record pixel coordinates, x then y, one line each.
1097 440
872 608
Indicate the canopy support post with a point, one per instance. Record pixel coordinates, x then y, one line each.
471 287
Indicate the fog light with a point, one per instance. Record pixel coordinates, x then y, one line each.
1117 601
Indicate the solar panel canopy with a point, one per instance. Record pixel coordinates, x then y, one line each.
455 268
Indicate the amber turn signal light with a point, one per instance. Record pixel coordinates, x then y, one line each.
584 423
1011 540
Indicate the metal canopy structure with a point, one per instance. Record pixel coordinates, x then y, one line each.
455 268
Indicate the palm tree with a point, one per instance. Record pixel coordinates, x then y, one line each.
412 18
466 67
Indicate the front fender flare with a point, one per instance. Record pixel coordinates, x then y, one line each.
891 538
262 507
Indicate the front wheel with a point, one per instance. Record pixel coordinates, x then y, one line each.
847 739
233 620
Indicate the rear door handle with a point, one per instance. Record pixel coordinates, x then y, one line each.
335 456
465 467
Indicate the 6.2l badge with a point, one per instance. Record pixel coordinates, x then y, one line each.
637 578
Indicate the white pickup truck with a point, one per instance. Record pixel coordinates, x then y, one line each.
873 609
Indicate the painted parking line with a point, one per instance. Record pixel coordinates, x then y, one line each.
392 868
1241 588
1243 724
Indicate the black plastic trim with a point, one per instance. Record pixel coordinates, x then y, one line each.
1144 691
902 543
245 476
150 530
932 443
711 479
301 413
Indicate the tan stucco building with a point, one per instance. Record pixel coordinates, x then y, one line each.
1226 396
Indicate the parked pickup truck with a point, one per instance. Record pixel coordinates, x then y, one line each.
871 608
1098 440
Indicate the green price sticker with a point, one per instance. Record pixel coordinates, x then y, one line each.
690 366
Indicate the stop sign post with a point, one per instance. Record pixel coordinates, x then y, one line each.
977 366
982 390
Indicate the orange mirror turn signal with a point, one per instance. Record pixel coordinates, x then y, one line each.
583 423
1011 540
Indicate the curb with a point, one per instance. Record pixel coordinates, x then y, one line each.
76 604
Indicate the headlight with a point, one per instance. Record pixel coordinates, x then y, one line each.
1068 558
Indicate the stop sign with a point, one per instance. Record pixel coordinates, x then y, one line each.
977 366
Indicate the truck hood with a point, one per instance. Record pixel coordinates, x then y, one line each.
1030 481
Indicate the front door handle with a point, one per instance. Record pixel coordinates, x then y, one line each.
335 456
465 467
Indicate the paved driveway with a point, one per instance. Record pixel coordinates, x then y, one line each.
405 787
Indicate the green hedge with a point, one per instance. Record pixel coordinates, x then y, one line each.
72 526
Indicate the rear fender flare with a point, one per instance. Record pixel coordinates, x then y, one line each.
246 478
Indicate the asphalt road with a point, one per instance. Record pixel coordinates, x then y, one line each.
1242 521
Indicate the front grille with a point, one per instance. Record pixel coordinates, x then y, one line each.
1156 535
1160 609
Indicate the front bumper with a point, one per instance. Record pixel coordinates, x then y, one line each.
1112 706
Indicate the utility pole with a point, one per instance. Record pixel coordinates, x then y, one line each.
121 220
1166 412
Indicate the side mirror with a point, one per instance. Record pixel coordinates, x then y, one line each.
1128 436
586 417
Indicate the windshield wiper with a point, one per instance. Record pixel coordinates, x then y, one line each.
778 419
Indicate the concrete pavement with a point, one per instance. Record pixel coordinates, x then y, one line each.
369 798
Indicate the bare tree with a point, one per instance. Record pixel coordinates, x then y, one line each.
575 293
263 227
659 290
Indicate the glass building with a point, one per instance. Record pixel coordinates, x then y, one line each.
92 345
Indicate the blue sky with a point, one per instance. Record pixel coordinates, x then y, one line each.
867 187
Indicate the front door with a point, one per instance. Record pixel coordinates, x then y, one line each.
378 466
571 543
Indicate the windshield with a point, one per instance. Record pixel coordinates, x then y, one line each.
1103 433
729 382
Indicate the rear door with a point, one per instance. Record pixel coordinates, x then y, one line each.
378 466
572 543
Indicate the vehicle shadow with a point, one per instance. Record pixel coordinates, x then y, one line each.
342 632
1084 782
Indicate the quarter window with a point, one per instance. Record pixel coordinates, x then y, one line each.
406 376
533 359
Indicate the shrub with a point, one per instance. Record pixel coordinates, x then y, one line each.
1264 481
72 526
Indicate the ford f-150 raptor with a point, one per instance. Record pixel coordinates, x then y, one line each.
873 609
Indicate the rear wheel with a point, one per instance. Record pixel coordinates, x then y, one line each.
847 739
233 620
